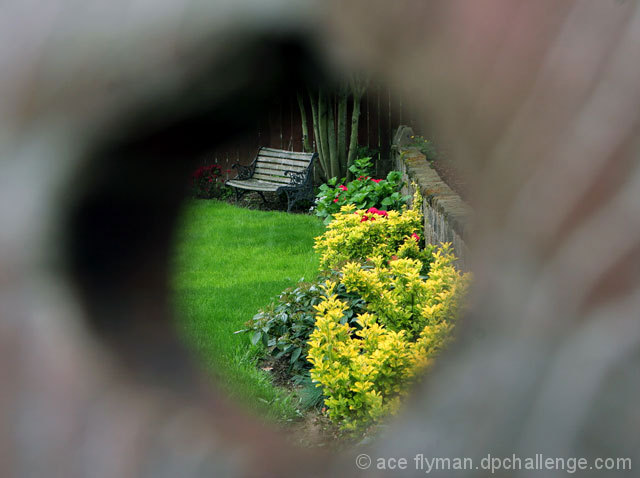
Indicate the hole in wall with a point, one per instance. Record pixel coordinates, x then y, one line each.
122 227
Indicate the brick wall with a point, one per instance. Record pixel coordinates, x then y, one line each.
447 217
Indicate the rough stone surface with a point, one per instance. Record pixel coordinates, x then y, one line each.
447 217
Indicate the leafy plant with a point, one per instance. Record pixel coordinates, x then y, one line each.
365 371
401 297
208 182
356 235
363 151
425 146
284 326
364 192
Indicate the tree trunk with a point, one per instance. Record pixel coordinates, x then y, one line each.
317 131
358 88
343 97
306 144
331 138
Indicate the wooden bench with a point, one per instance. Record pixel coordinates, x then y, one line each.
279 171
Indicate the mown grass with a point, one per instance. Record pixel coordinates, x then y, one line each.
229 262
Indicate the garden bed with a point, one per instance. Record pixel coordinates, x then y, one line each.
331 357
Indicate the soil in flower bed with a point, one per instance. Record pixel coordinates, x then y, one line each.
313 429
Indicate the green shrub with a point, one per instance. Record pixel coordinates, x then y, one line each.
363 192
425 146
284 326
207 182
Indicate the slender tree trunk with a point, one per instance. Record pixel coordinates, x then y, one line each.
317 131
336 170
343 97
355 121
303 119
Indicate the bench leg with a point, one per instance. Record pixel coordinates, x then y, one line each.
262 196
298 195
239 194
292 199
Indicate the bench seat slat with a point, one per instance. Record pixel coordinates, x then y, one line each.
271 178
273 172
253 185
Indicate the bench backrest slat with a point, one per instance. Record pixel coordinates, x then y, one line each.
279 167
271 164
282 154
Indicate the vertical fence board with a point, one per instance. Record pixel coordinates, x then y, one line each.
281 127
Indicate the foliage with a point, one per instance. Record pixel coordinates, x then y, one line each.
355 235
364 192
284 326
425 146
364 371
208 182
363 151
401 297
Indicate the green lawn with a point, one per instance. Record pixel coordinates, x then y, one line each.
229 262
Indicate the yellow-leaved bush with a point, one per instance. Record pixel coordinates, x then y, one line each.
364 371
356 235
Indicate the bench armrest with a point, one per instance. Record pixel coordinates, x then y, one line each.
298 178
244 172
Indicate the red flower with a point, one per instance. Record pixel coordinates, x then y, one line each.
364 218
336 199
373 210
376 180
360 178
394 258
344 188
416 237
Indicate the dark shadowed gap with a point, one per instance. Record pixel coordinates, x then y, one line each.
121 223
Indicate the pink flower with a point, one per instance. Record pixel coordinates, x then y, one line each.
416 237
376 180
344 188
360 178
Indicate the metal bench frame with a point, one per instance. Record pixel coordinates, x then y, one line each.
279 171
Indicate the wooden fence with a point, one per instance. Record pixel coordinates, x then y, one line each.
382 111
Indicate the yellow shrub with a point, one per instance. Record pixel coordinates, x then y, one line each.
359 234
364 372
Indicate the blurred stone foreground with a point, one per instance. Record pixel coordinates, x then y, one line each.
539 101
